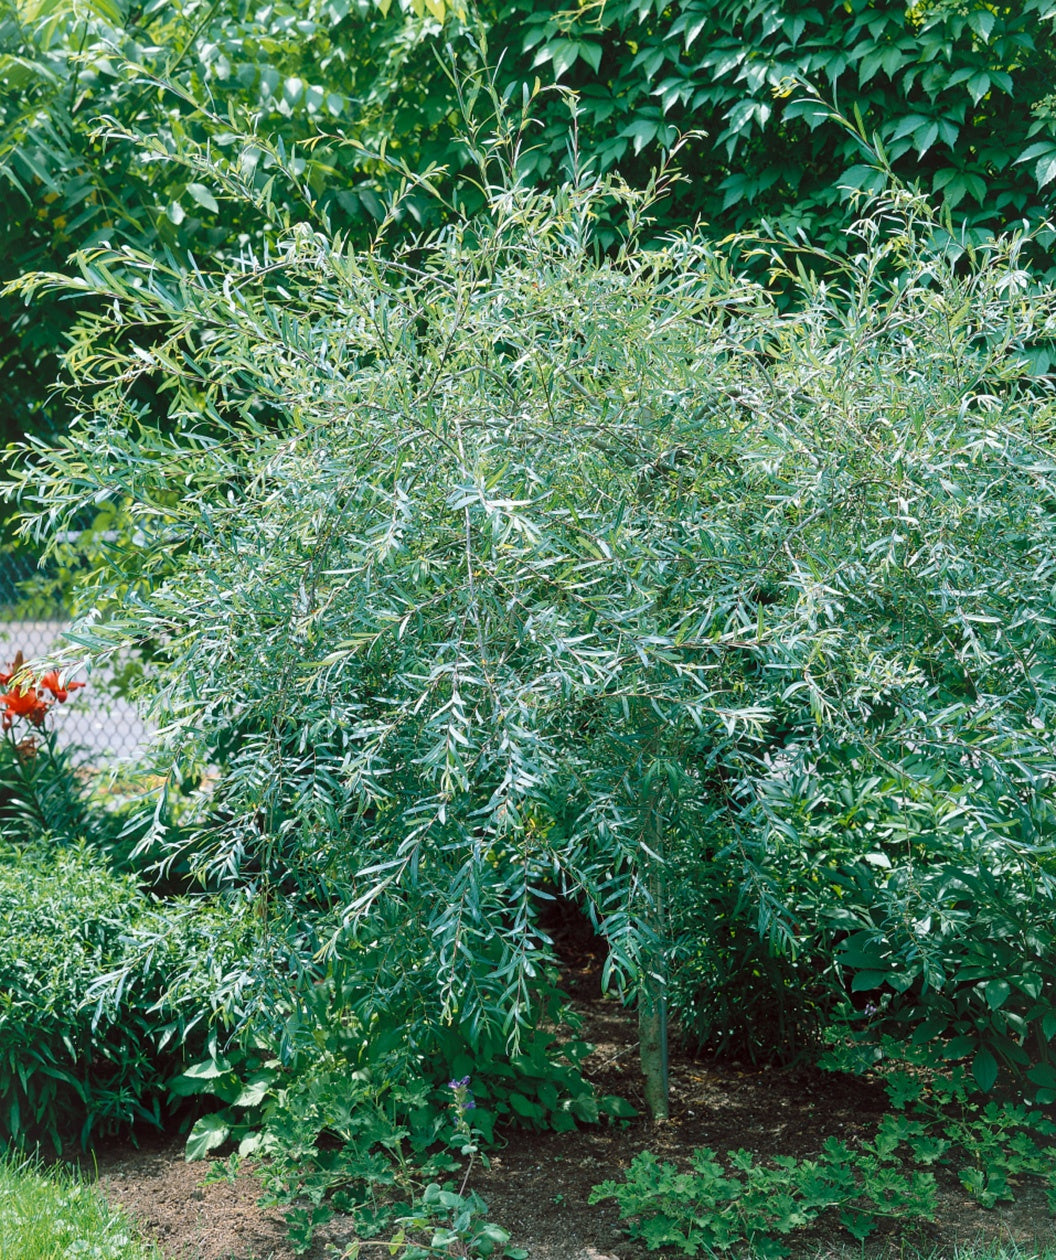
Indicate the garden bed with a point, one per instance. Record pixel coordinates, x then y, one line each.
538 1184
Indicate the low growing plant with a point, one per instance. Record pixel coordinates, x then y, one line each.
716 1206
441 1221
945 1119
937 1120
381 1181
358 1110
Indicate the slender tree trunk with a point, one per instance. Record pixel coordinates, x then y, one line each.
652 1045
652 1002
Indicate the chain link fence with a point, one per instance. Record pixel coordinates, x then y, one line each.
104 726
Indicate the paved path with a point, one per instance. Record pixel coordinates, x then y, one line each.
98 722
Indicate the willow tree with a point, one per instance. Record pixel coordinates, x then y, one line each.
490 566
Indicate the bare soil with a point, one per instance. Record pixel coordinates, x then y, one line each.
538 1184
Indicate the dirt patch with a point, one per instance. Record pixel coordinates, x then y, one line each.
538 1184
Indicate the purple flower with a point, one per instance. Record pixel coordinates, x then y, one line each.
463 1100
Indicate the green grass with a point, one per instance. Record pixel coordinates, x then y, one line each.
1003 1252
991 1251
56 1216
979 1251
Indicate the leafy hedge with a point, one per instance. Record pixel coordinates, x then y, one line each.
959 94
916 929
79 1056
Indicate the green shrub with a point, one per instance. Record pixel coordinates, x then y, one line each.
959 94
492 565
80 1054
958 956
912 922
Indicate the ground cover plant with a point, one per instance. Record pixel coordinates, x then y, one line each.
359 1113
537 1184
715 1206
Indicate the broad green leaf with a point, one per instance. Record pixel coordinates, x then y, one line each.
208 1133
863 981
924 137
641 131
1043 1074
590 52
255 1089
997 993
979 85
982 22
524 1106
208 1069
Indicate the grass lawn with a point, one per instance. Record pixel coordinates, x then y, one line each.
56 1216
986 1252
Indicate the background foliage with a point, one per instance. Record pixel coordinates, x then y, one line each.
959 94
